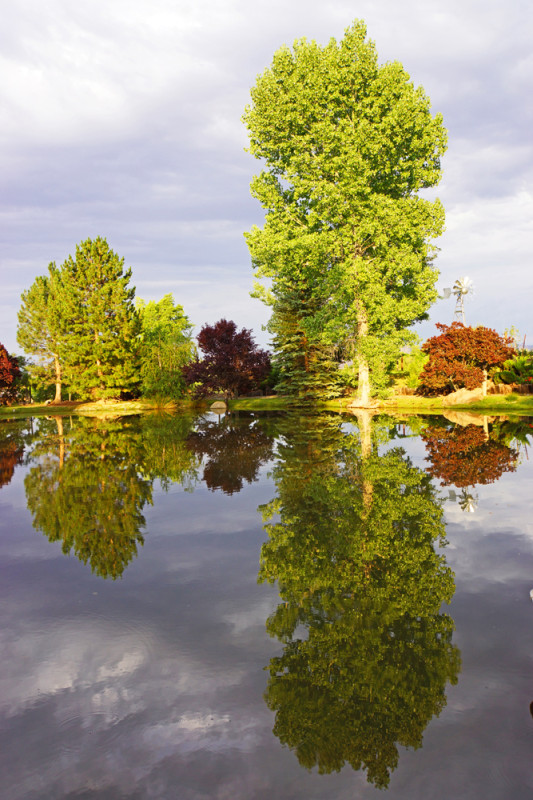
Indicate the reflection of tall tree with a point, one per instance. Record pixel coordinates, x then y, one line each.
86 490
234 448
367 654
467 455
13 436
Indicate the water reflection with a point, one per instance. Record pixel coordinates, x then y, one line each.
367 654
87 491
90 479
14 435
233 449
467 456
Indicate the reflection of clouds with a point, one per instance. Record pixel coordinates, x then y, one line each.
201 731
241 621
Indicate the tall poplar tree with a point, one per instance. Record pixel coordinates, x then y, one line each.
99 321
347 145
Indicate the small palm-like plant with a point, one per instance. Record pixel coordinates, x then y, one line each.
516 370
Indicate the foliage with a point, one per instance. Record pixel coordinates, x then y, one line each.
232 363
347 145
13 437
517 370
99 323
409 367
168 456
306 366
459 357
366 651
85 490
39 330
233 450
166 347
9 376
466 456
80 324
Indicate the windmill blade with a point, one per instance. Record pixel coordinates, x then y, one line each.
463 286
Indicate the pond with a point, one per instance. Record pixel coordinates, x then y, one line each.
266 605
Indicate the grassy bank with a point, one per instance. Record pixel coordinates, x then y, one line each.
493 404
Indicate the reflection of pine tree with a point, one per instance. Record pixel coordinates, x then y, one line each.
234 449
353 554
86 490
466 456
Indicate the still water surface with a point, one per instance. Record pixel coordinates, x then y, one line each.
266 606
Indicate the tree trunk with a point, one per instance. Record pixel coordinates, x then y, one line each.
363 388
57 366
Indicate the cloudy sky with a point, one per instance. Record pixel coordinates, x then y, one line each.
123 120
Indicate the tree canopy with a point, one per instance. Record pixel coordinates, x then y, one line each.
347 145
99 322
460 356
9 374
167 346
232 363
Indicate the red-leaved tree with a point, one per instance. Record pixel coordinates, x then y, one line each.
9 373
460 356
232 361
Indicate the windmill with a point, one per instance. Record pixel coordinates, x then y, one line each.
461 288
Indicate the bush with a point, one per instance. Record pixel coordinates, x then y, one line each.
460 357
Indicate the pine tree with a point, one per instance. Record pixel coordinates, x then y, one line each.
100 326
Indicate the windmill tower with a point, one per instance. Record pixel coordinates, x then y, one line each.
461 288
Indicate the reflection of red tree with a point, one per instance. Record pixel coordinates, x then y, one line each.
10 456
465 457
233 454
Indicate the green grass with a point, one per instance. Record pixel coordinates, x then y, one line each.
271 403
493 404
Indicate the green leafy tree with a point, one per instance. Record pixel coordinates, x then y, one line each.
85 489
99 324
167 347
460 357
39 330
367 652
347 145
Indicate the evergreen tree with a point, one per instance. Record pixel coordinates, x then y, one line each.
100 326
